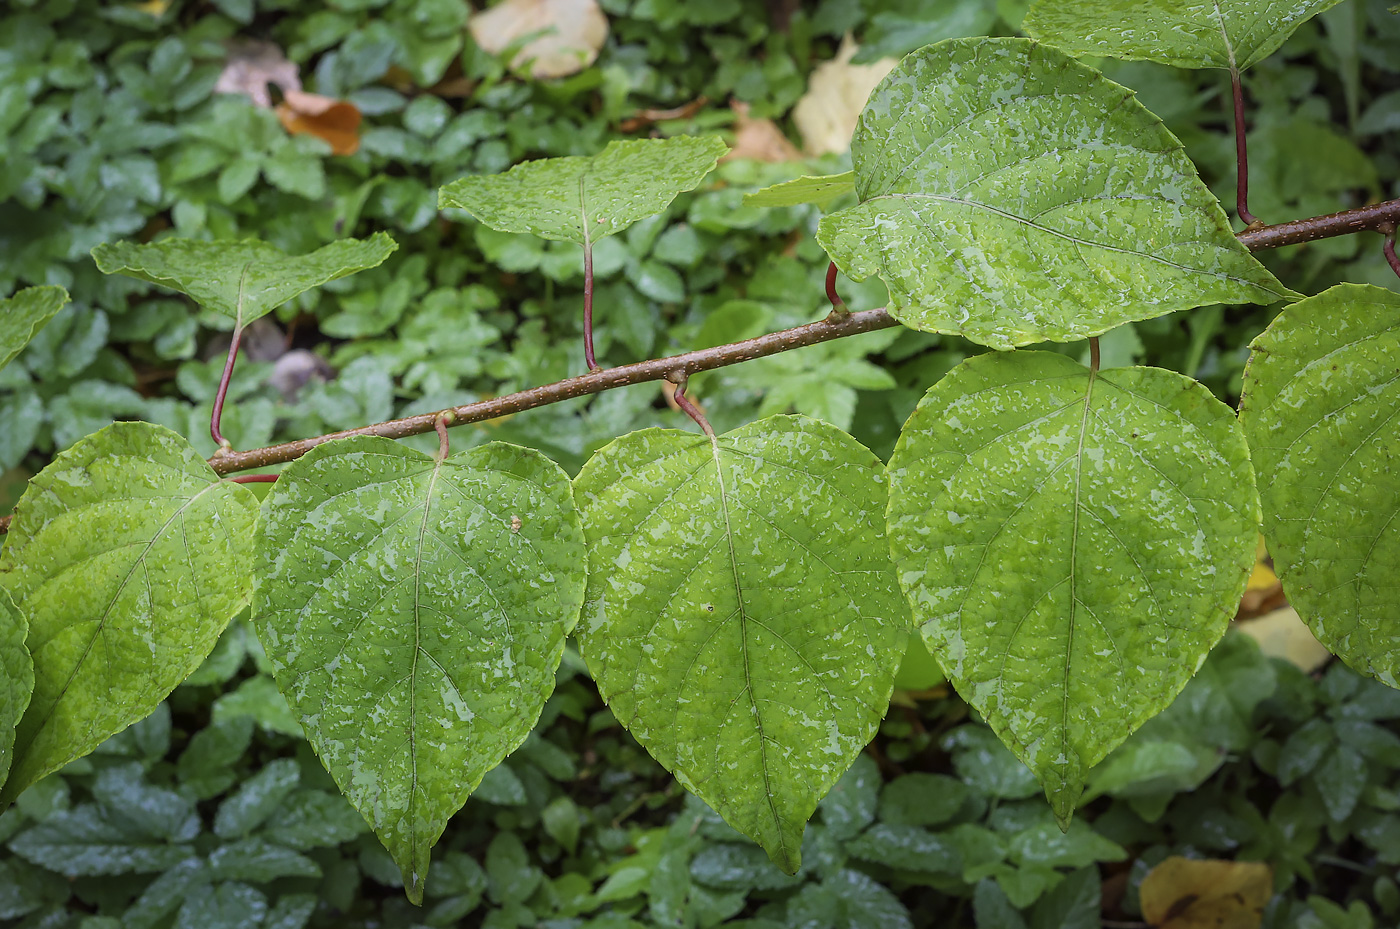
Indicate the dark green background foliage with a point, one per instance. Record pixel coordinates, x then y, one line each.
214 813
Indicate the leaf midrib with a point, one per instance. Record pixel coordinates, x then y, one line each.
744 646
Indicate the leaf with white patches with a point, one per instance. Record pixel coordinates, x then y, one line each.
1184 33
243 280
742 618
1012 195
414 611
1073 545
128 556
1321 403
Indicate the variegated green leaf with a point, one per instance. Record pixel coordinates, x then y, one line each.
1185 33
582 199
1012 195
1322 412
742 617
242 280
127 557
414 611
1073 544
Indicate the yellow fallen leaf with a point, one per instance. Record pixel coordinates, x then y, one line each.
154 8
1184 893
571 33
1282 634
836 93
1262 577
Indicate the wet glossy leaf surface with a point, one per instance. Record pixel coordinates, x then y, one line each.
127 556
16 677
1012 195
1072 546
1322 397
414 612
242 280
23 315
805 189
582 199
1186 33
742 618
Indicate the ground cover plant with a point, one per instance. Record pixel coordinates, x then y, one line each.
736 600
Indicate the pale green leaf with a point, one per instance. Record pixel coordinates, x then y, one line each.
414 611
1072 545
244 279
24 314
1012 195
805 189
1185 33
1321 402
742 618
128 556
582 199
16 677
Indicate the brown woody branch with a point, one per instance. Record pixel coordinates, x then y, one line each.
1379 217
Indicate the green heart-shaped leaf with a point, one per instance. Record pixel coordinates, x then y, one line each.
1073 544
1185 33
742 617
242 280
16 677
1321 407
582 199
805 189
414 611
23 315
127 556
1012 195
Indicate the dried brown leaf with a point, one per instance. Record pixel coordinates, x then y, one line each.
836 93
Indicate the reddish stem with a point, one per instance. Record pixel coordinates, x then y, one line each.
837 303
1241 153
218 413
691 409
440 424
253 479
1094 354
1389 250
588 358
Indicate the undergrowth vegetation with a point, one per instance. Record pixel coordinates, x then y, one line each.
214 811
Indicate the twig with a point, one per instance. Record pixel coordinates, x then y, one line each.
824 330
1345 222
1241 153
